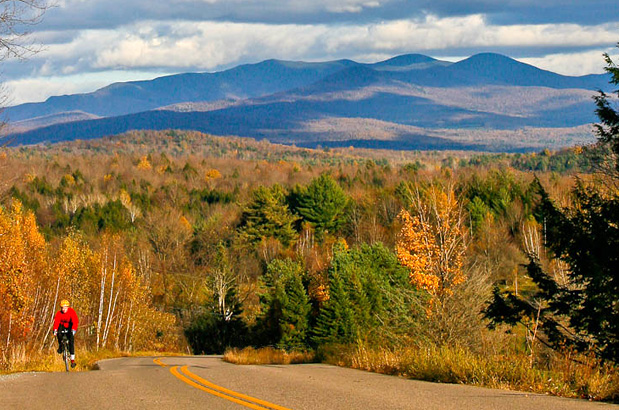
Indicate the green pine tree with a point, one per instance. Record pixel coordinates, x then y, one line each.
370 298
322 203
336 320
296 309
267 216
285 304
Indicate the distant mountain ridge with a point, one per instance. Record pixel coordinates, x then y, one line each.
246 81
284 101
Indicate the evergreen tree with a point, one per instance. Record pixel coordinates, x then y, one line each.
268 216
336 321
608 129
322 204
369 297
295 314
285 304
580 311
213 331
220 325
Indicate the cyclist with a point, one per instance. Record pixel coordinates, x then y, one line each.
66 318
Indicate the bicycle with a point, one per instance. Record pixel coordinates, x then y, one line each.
64 345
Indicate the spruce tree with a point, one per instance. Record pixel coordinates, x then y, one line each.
323 204
336 321
295 314
267 216
285 306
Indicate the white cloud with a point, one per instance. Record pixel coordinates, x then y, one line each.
467 32
40 88
208 45
573 63
180 46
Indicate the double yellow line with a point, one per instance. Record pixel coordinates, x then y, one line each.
183 374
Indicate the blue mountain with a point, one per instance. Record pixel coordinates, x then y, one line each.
282 100
246 81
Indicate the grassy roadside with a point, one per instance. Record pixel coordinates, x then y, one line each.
85 359
584 377
560 375
267 355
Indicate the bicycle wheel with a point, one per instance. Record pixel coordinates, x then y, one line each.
65 355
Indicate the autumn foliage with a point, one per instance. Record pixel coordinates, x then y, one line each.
104 288
432 243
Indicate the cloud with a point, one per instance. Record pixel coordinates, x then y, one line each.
40 88
574 63
186 45
102 14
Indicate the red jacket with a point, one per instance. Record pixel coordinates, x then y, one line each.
68 320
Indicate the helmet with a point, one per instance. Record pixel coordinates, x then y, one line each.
64 303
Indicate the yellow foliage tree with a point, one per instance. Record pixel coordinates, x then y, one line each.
431 243
112 301
144 163
212 174
22 257
416 249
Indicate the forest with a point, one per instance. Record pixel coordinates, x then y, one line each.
487 269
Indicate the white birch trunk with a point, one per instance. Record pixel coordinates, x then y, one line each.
8 334
111 315
125 346
51 317
109 308
101 298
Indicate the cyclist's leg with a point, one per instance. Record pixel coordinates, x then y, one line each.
72 348
71 344
59 337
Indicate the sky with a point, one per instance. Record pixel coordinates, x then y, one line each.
87 44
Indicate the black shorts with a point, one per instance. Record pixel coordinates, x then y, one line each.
69 336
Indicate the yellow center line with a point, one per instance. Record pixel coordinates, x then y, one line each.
158 361
175 372
230 392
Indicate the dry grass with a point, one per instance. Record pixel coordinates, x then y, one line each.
267 355
50 361
560 375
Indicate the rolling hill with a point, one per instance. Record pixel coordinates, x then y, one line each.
407 102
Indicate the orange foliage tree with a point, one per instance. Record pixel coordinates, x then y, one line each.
22 257
431 243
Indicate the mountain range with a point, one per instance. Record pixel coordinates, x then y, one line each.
485 102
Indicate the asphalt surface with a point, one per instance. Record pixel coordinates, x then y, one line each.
206 382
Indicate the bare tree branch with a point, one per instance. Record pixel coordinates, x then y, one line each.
16 17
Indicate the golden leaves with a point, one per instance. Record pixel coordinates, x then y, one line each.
125 198
431 242
22 254
184 222
416 249
211 174
144 164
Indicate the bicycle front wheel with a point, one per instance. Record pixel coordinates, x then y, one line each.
66 357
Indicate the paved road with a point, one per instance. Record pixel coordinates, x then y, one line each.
206 382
